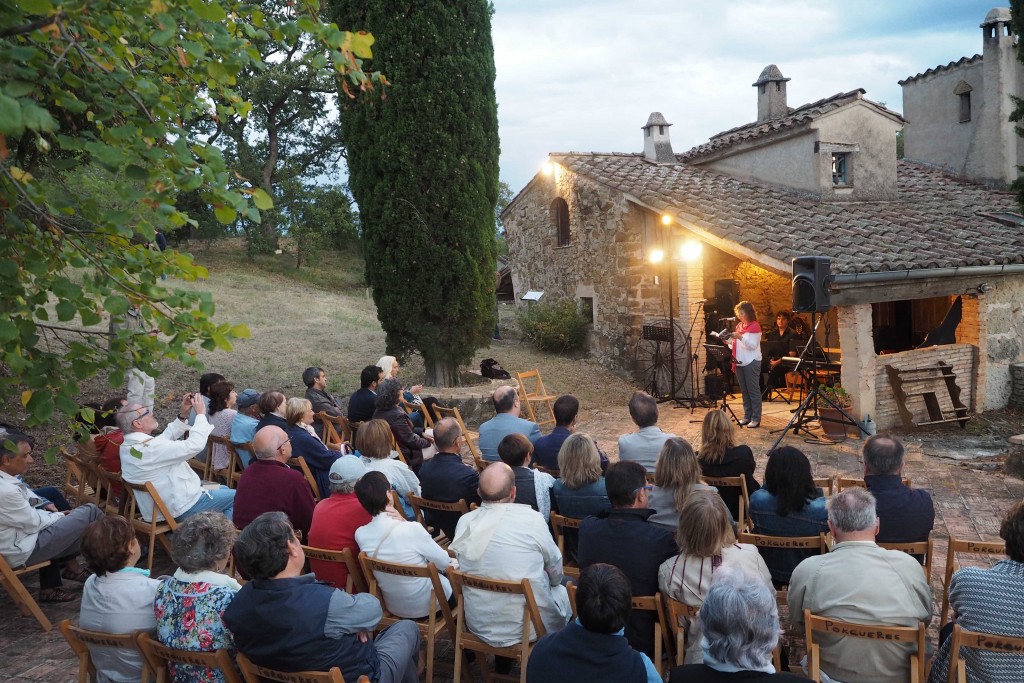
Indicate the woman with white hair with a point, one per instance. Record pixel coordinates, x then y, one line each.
740 624
390 366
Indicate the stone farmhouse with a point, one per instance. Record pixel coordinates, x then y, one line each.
905 237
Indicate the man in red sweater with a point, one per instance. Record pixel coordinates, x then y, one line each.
336 519
268 484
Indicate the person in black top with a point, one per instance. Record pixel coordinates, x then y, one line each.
720 457
361 403
446 478
786 340
905 515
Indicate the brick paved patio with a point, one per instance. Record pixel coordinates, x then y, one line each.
969 501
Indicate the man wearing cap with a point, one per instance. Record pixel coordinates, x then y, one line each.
336 519
269 484
316 393
247 419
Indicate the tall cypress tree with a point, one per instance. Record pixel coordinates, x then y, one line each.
423 164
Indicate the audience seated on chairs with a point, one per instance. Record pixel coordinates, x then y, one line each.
390 366
30 535
289 621
622 536
566 410
362 402
906 515
190 605
721 457
373 444
446 479
676 477
299 412
50 498
163 460
336 519
321 400
391 539
243 428
509 542
593 647
273 405
644 445
706 544
409 438
221 415
118 598
269 484
533 487
306 444
859 582
739 620
206 381
788 505
107 442
989 601
580 489
104 420
505 421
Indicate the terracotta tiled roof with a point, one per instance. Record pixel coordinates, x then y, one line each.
796 117
945 67
935 223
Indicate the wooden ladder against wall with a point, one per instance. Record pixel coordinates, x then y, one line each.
927 382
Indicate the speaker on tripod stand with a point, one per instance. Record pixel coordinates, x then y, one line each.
810 284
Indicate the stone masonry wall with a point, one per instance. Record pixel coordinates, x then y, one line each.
963 358
1004 318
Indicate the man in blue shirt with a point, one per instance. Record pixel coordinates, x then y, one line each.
243 427
545 452
505 422
593 647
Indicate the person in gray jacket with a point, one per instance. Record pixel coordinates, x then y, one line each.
643 445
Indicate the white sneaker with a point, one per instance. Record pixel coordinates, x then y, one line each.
753 424
744 422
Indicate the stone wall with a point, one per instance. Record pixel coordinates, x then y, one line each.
963 358
1004 338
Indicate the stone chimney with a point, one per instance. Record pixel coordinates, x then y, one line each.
771 94
657 147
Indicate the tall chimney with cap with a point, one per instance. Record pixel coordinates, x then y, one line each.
771 94
657 147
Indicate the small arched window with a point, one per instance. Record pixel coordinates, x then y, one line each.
560 217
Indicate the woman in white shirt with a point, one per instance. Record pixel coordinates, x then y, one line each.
373 443
391 540
746 354
118 598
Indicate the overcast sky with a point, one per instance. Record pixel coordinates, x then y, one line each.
583 75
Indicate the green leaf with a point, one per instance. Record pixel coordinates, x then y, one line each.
262 200
240 331
8 331
37 6
136 172
37 118
19 88
10 116
225 214
66 311
116 305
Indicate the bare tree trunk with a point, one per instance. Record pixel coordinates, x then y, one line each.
441 372
268 222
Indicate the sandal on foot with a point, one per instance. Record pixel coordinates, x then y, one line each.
81 575
56 595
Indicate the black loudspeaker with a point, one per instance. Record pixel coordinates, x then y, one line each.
715 386
811 275
727 295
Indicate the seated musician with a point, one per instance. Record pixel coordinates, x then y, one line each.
783 341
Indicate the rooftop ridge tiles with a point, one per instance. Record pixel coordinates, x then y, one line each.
942 67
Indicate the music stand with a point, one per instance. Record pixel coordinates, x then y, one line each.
694 399
800 417
722 354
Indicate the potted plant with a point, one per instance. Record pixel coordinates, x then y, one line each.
833 423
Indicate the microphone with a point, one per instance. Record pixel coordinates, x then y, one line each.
699 301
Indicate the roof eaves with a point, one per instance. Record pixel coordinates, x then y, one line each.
963 61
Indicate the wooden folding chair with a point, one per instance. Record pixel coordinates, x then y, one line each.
430 626
233 472
882 634
203 468
976 640
535 395
75 479
419 504
253 673
923 548
154 528
763 541
952 564
299 463
559 524
471 437
16 589
80 639
826 484
336 429
662 639
677 614
410 408
467 640
356 582
744 503
158 655
847 482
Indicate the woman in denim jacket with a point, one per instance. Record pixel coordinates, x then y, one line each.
580 491
788 505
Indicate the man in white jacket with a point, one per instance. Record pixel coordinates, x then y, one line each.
163 460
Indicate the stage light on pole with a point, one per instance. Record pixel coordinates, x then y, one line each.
656 255
666 219
690 250
548 168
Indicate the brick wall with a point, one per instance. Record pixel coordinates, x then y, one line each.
963 358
